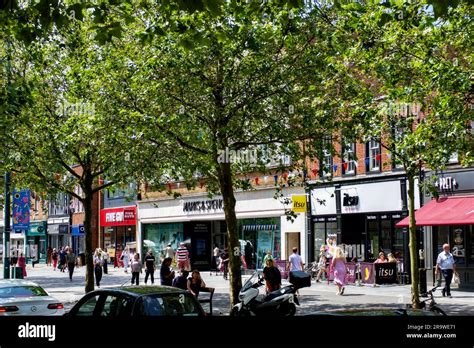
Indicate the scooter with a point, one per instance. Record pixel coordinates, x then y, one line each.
280 302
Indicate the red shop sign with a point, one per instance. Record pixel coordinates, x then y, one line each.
118 216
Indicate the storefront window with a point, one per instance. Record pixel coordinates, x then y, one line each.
319 237
471 251
397 249
259 236
373 236
458 250
386 236
157 237
442 238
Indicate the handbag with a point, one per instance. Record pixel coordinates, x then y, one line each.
456 280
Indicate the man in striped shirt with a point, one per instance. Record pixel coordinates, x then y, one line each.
182 256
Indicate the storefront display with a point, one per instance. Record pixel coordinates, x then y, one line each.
119 228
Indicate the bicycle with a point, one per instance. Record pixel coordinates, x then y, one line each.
432 305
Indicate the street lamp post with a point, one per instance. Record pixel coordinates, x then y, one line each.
6 229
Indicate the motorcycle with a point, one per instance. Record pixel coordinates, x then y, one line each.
280 302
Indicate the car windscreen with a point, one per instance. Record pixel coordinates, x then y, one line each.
22 291
178 304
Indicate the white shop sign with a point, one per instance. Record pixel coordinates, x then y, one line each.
373 197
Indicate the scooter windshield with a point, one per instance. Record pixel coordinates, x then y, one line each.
251 281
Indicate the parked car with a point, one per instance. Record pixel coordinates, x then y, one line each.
22 297
135 301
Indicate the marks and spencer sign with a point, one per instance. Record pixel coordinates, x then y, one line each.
118 216
202 206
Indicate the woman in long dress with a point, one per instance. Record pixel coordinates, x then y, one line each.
340 270
22 264
126 260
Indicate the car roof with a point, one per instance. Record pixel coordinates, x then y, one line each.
143 290
5 283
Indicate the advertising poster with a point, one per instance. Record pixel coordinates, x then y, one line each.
351 276
367 272
21 210
264 243
386 273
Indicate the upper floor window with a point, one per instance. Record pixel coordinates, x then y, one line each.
348 155
373 156
59 204
327 160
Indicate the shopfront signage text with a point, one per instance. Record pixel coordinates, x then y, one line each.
446 184
213 204
350 201
299 204
118 217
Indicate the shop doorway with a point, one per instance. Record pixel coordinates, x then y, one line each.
201 251
292 240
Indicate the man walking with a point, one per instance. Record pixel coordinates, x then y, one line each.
295 262
182 256
445 263
150 267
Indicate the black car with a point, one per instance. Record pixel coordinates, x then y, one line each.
136 301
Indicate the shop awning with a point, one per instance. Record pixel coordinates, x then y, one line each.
444 211
259 227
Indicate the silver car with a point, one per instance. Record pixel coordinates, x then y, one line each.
22 297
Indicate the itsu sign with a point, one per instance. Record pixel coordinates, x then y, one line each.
118 216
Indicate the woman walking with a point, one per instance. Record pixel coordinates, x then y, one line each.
97 267
126 259
22 264
54 257
166 274
340 270
71 262
136 267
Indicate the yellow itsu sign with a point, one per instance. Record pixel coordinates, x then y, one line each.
299 204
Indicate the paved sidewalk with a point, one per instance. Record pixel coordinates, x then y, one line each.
319 297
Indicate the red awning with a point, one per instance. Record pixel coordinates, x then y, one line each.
444 211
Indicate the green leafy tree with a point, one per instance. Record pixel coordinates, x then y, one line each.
414 71
234 78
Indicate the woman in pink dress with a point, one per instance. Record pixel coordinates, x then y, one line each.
22 264
340 270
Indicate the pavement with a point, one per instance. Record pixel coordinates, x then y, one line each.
320 297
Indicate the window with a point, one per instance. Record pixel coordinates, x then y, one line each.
374 156
326 163
319 237
59 204
87 308
115 306
348 156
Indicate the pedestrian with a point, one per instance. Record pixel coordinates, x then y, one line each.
71 262
150 266
181 281
22 264
272 276
340 270
268 256
136 268
166 273
97 267
225 261
215 259
62 259
182 256
54 257
382 258
195 283
169 252
321 263
295 262
105 260
391 258
445 262
49 253
125 258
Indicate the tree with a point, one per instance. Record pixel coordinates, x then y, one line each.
232 79
64 135
413 65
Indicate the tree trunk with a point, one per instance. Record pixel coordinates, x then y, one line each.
88 234
415 296
233 245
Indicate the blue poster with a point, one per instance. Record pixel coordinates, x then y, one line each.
21 210
264 243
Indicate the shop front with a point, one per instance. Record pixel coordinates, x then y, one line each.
199 222
58 235
118 229
449 218
37 241
362 218
78 239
